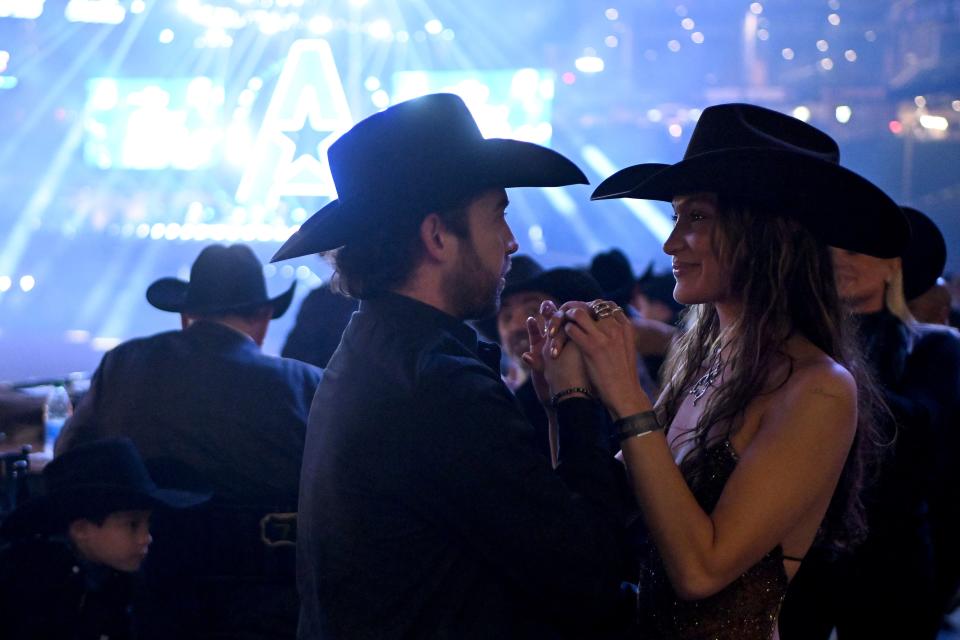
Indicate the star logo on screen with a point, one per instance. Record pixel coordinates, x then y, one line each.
307 141
307 112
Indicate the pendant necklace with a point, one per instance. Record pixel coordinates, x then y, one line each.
706 380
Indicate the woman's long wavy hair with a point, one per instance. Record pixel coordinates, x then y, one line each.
783 276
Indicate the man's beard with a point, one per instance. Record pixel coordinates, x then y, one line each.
472 291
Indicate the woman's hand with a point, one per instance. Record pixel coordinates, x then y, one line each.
563 367
609 353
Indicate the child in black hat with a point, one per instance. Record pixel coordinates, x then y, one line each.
68 556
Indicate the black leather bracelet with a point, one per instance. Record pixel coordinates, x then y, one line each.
560 395
638 424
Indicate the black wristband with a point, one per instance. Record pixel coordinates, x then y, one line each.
638 424
560 395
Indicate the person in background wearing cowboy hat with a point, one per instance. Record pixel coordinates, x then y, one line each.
652 336
521 299
209 411
900 581
68 555
425 510
737 467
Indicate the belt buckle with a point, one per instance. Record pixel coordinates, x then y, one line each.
279 529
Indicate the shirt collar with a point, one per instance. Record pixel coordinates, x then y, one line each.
417 313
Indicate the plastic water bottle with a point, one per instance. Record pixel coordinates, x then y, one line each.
58 409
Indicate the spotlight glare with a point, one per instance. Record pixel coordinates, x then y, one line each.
654 115
372 83
787 54
822 45
589 64
896 127
920 101
871 36
826 64
5 283
763 34
697 37
674 45
850 55
320 25
956 105
834 19
380 99
687 23
612 14
433 27
675 130
802 113
166 36
380 29
843 113
756 8
27 283
611 41
937 123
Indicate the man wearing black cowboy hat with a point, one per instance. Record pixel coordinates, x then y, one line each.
425 510
208 410
68 553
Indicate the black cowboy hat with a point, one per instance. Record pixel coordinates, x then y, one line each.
612 270
925 256
97 477
562 284
659 287
222 279
765 157
415 157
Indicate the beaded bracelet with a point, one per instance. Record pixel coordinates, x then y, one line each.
560 395
636 425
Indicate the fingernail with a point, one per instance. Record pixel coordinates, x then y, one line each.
554 352
553 330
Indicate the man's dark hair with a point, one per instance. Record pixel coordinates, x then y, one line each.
385 257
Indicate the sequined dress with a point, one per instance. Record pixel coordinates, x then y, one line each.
746 609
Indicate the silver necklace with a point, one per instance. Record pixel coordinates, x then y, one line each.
706 380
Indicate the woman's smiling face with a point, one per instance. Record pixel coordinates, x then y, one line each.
701 278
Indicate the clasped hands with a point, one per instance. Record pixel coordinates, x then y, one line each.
589 345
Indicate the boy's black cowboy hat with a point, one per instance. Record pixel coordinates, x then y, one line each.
925 256
415 157
765 157
222 279
97 477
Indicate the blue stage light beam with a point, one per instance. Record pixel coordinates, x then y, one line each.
124 305
563 203
657 223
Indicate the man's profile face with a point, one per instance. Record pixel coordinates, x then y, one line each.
512 320
474 286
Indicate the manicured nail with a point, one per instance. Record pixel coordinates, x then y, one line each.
554 352
553 330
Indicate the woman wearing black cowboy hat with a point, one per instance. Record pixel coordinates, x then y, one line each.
900 581
69 554
736 468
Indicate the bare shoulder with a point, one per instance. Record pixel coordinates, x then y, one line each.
816 373
820 393
822 376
